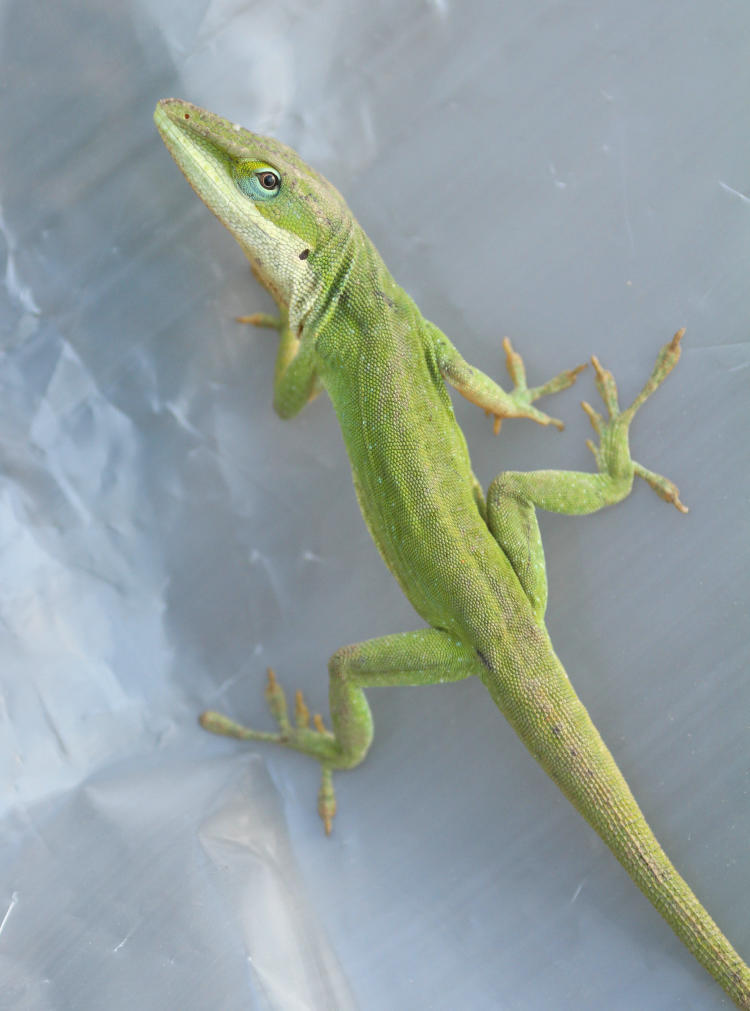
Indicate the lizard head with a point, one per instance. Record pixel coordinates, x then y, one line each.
282 212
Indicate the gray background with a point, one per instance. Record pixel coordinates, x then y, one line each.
575 175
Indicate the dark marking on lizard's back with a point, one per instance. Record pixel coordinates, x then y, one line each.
484 659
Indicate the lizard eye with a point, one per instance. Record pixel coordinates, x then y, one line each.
268 180
256 180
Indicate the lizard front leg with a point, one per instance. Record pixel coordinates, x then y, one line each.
477 387
295 380
427 656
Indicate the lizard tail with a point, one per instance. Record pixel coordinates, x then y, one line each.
554 724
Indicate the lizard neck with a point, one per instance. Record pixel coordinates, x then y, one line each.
356 293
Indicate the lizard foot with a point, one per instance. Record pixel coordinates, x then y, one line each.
315 741
613 454
264 319
524 396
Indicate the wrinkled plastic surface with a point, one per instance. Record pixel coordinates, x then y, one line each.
574 175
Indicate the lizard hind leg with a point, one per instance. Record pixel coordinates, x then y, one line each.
513 497
427 656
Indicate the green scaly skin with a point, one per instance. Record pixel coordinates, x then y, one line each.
473 568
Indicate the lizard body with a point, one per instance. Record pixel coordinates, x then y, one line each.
473 568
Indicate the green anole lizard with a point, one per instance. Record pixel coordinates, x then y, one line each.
472 566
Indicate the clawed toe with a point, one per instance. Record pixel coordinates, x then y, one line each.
261 319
